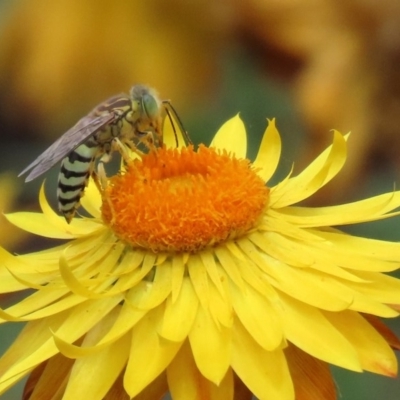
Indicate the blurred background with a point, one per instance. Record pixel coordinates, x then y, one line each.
315 65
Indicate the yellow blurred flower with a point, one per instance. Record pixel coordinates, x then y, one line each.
9 234
85 52
194 277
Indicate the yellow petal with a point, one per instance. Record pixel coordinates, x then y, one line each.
209 264
9 282
316 175
178 271
275 222
258 317
32 346
350 253
367 304
306 254
309 286
221 310
77 227
37 283
194 385
126 319
390 336
232 137
308 329
49 224
37 224
371 209
380 287
256 279
378 251
91 201
373 351
128 271
96 373
314 288
84 316
149 354
230 265
211 346
264 372
83 251
157 389
269 152
179 315
35 343
43 303
199 279
282 248
148 295
75 284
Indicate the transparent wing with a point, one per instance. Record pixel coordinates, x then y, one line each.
66 143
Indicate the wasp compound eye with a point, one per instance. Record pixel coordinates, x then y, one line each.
150 106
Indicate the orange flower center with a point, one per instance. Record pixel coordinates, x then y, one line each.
182 200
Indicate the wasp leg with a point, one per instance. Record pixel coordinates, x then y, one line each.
118 145
106 157
101 177
147 138
132 147
100 180
123 147
96 181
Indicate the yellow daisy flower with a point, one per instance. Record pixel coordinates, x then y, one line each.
194 277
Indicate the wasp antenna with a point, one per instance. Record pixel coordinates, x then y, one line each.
173 125
171 110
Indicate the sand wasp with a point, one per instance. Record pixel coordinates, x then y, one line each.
128 119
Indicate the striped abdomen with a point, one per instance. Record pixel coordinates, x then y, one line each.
74 175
